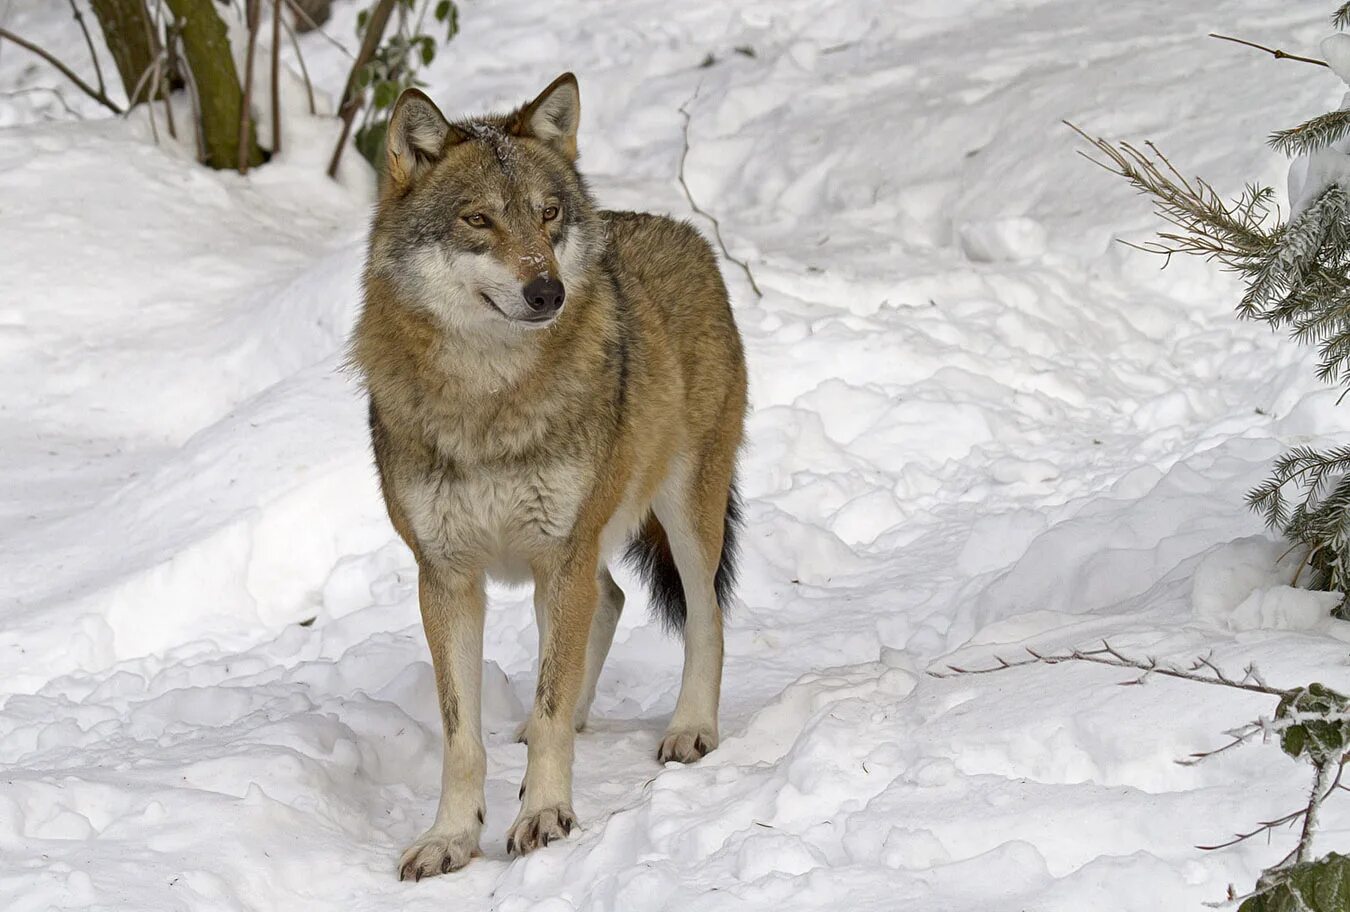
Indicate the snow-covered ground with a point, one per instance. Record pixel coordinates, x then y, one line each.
979 425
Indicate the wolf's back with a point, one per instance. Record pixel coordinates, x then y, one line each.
679 273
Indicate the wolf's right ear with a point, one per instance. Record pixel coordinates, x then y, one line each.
553 116
417 138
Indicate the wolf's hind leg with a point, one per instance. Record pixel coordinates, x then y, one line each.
692 508
602 636
452 614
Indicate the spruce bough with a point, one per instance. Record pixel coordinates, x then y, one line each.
1297 276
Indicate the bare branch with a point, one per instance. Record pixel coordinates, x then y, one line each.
165 68
1240 737
276 76
53 91
89 42
198 128
1265 827
352 95
300 59
1320 791
252 8
689 196
1274 52
148 78
66 71
1107 655
315 27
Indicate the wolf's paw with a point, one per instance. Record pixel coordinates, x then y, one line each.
437 852
533 829
685 745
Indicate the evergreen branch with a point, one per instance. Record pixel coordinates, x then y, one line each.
1301 464
1234 233
1274 52
1341 18
1311 135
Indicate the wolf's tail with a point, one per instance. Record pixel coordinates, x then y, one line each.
649 554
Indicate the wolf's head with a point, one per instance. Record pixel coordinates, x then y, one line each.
486 222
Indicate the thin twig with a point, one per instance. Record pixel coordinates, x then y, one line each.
89 42
300 58
1205 671
163 68
1274 52
57 92
198 130
1107 655
352 94
151 76
1320 791
1240 736
315 27
251 11
66 71
276 77
1264 827
689 196
152 72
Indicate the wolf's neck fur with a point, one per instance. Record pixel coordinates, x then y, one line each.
486 397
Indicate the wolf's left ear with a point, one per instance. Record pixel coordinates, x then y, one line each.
417 138
553 116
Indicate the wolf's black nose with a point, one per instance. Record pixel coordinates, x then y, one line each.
544 294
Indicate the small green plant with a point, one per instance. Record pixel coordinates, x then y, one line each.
1315 886
1312 723
396 63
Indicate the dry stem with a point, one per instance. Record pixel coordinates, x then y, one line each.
693 204
96 94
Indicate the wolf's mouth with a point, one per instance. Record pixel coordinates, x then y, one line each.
545 319
493 304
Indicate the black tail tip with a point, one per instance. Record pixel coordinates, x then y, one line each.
649 554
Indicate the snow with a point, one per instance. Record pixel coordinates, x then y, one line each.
1310 175
979 425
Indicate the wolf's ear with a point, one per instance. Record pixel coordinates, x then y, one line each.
553 116
417 138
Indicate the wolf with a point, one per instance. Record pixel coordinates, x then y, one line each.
551 386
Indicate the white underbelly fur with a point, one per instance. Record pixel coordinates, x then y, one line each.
504 517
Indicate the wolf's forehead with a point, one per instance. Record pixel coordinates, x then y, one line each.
496 171
501 144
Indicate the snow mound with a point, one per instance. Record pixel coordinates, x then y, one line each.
979 425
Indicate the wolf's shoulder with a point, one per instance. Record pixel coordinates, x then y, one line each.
651 234
654 245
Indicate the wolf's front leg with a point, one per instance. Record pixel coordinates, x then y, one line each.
452 614
569 584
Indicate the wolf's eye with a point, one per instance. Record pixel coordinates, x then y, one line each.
550 213
477 220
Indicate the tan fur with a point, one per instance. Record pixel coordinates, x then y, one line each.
504 450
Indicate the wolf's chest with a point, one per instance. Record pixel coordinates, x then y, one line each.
497 511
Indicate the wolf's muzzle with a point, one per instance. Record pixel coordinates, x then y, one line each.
544 296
